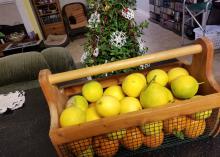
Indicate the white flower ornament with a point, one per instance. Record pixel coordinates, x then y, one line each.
128 13
118 39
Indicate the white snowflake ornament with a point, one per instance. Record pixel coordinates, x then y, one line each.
144 66
96 52
83 57
128 13
106 74
118 39
94 20
142 48
12 100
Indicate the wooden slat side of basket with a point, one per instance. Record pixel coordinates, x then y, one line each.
56 98
106 125
56 101
202 69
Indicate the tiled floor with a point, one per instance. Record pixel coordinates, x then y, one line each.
217 65
157 39
76 49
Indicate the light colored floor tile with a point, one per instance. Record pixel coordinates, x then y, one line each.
76 50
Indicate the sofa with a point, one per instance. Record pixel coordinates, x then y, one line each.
20 71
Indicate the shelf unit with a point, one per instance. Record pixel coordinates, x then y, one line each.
168 13
49 15
44 3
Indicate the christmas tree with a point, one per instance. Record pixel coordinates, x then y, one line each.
113 33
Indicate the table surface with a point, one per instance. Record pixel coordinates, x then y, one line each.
13 46
33 45
24 133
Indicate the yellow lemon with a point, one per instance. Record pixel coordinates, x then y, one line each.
142 76
154 95
176 72
78 101
115 91
159 76
72 116
91 114
108 106
92 91
133 84
117 134
201 115
152 128
130 104
184 87
87 153
169 94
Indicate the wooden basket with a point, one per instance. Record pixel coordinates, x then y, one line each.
201 69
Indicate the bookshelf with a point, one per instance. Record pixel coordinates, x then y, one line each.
168 13
49 15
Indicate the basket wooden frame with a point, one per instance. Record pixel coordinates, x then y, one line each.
201 69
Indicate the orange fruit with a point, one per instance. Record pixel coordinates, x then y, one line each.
97 141
77 147
133 139
194 128
175 124
104 147
154 141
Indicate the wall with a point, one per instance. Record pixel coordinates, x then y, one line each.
6 1
28 17
63 2
32 18
9 14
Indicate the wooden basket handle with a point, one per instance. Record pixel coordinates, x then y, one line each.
124 64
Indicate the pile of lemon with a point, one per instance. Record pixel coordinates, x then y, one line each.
136 92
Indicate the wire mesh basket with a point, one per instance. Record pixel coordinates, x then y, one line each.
141 139
140 132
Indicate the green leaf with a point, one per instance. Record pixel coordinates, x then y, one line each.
112 21
179 134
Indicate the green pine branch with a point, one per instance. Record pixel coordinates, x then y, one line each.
111 21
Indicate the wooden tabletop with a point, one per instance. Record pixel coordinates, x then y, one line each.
24 132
